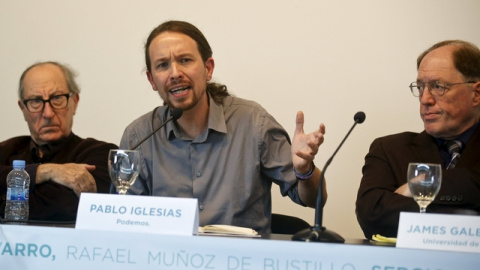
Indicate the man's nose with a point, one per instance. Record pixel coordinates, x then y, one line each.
427 97
176 71
48 110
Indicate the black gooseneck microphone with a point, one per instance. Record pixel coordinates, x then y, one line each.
175 114
318 233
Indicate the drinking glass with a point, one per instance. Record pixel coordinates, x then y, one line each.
123 168
424 181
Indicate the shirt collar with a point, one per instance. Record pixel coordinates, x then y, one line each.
216 122
464 137
216 117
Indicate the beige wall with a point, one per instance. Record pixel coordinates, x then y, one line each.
327 58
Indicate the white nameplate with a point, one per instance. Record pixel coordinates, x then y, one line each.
132 213
439 232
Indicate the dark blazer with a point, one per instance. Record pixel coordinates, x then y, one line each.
378 207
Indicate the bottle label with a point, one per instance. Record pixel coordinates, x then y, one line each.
17 194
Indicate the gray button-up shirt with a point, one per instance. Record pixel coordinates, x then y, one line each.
229 168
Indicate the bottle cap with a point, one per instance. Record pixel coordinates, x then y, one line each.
19 164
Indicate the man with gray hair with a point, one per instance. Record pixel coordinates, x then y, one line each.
448 90
61 165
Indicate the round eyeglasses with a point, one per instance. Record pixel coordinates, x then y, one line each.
435 88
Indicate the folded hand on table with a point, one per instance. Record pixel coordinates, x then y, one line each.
72 175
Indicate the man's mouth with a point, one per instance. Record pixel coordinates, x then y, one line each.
49 127
430 116
179 90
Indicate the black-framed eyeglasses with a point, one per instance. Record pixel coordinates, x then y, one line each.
436 88
56 102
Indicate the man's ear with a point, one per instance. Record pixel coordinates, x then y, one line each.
23 109
209 65
476 94
76 99
150 79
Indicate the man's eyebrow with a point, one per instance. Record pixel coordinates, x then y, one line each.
55 93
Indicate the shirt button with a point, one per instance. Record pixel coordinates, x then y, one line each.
198 174
201 207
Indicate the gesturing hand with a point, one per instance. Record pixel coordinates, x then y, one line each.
305 146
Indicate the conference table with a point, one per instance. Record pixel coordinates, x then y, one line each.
61 246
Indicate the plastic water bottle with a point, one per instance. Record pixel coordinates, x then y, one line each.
18 184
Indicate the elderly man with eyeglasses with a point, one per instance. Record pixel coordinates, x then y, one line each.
450 110
61 165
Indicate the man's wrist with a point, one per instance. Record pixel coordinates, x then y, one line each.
306 176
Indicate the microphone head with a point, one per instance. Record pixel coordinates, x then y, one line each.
359 117
177 113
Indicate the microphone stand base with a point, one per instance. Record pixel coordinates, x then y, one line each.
318 234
